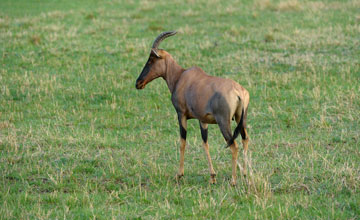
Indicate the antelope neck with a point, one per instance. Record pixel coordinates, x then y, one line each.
172 73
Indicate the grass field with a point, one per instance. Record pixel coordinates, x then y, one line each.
78 141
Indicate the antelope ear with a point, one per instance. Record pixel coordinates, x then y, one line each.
153 51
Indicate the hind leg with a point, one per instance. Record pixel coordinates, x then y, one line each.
245 139
204 136
245 142
224 126
234 151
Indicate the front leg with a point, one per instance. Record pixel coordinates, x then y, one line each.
183 126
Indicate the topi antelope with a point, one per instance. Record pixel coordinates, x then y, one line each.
194 94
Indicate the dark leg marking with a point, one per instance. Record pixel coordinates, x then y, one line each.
182 132
243 125
204 133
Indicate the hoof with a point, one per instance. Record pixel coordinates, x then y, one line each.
233 183
212 178
244 173
213 181
178 176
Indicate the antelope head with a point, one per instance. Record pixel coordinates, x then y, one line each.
155 66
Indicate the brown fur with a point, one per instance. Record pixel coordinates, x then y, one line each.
211 100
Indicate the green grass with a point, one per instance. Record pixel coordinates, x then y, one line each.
77 140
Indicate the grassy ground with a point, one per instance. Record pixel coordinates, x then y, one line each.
77 140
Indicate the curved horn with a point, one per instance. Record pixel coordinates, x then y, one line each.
161 37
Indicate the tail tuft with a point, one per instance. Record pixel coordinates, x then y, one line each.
237 130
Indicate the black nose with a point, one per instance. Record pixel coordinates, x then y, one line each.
139 84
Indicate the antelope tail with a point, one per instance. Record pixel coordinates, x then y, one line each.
237 129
